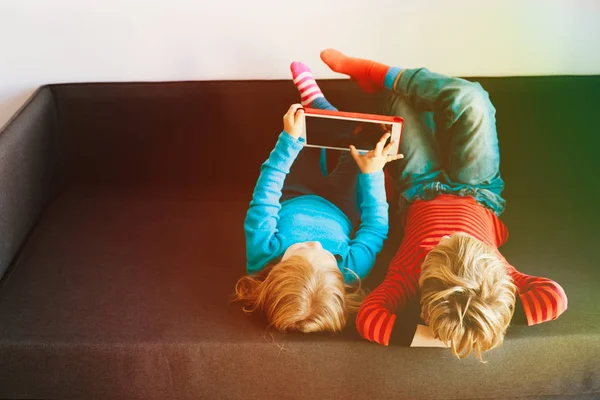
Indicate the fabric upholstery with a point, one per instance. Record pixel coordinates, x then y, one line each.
27 157
122 289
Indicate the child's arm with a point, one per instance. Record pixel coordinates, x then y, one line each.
542 299
260 225
373 230
377 314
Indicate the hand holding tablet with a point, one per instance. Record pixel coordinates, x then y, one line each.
339 130
374 160
293 121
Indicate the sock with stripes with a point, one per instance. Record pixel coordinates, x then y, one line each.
310 93
370 75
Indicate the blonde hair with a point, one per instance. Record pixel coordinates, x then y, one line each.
295 296
467 297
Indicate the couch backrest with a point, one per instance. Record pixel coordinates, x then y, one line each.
210 137
195 134
189 134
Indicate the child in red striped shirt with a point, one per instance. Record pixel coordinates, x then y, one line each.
449 192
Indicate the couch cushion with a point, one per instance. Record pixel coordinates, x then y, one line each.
125 294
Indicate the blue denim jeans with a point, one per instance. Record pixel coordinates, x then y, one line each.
449 140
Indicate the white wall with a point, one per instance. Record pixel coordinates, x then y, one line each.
47 41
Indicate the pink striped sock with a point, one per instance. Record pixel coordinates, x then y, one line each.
305 83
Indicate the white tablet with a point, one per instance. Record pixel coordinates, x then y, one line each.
338 130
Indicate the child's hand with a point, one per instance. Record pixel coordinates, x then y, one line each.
375 159
293 121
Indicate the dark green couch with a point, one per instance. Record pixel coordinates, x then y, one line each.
121 211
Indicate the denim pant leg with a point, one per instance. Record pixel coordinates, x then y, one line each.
421 164
465 119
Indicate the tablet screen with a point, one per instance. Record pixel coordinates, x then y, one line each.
339 130
340 133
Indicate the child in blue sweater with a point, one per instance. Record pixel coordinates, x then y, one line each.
305 258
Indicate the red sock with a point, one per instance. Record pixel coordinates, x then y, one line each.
370 75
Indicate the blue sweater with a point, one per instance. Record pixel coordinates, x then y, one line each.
271 227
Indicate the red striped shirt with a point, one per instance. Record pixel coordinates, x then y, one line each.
426 222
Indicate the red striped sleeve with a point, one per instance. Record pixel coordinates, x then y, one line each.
376 316
543 299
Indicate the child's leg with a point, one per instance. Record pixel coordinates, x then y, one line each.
465 118
421 163
463 112
464 115
369 75
310 93
340 184
306 175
